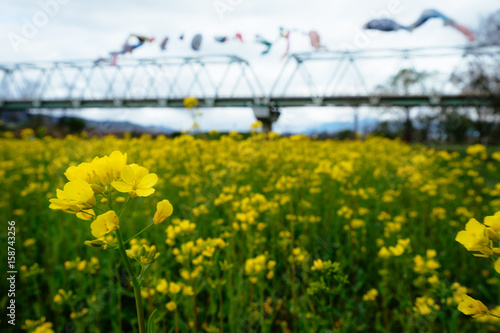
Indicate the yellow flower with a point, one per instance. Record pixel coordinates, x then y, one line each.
190 102
430 254
29 242
104 224
256 124
384 253
493 221
171 306
357 223
433 279
424 305
472 307
118 162
371 295
397 250
187 291
174 288
87 214
76 196
271 264
318 265
162 286
496 156
497 265
136 180
163 210
108 168
58 299
477 150
475 238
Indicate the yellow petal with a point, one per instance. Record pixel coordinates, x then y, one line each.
497 265
118 160
466 239
122 187
475 227
144 192
128 174
139 171
148 181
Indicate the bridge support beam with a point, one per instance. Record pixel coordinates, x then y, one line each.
268 115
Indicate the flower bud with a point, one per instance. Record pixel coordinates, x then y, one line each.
152 253
94 243
163 210
142 252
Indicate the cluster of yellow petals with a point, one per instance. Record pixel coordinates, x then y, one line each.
136 181
472 307
89 183
104 224
371 295
394 251
425 305
478 237
76 196
256 266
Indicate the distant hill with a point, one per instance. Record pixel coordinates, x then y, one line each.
337 126
126 126
16 119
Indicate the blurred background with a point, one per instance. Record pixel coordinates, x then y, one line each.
42 41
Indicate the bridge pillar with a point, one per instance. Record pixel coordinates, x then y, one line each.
267 115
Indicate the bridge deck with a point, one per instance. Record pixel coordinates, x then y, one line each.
352 101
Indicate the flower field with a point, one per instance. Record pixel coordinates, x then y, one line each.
262 234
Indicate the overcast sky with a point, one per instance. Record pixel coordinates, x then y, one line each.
88 29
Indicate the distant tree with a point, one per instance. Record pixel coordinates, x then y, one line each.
482 77
426 125
406 82
455 126
489 31
388 129
345 134
72 125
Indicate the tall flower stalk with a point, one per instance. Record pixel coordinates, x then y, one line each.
94 187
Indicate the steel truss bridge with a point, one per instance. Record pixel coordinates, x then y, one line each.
326 78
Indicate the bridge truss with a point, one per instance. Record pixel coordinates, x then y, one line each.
330 78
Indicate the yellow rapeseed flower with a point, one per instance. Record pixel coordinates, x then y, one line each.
371 295
136 181
163 210
104 224
171 306
475 238
317 265
174 288
76 196
472 307
190 102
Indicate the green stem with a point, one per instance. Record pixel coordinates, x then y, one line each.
140 232
491 314
124 206
135 284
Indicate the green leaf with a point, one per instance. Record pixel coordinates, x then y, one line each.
151 322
